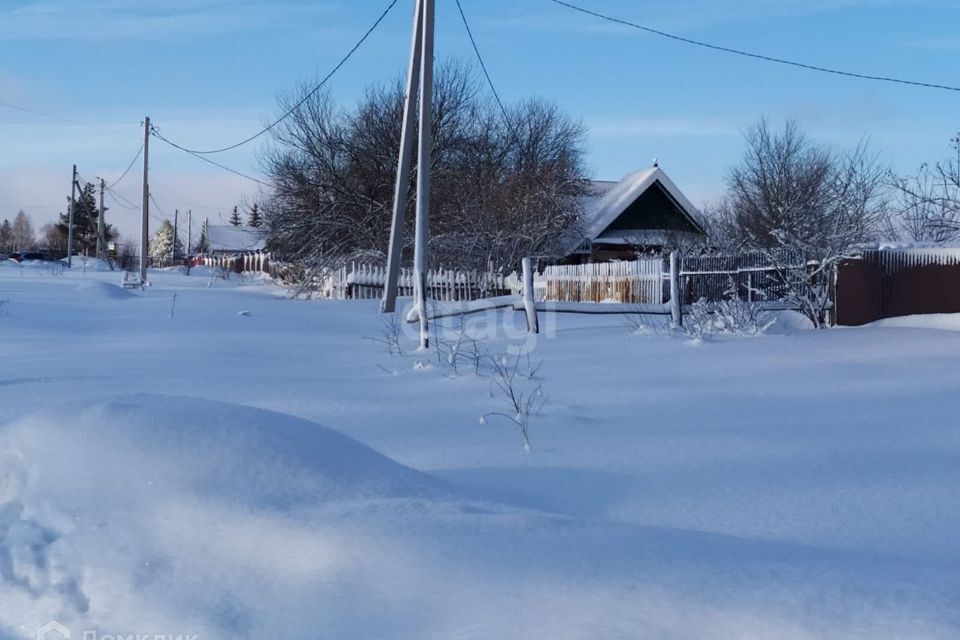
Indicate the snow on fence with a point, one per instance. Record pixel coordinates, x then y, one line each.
753 275
892 260
255 261
638 282
366 282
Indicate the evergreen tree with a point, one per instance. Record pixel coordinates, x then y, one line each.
203 243
163 244
235 217
254 220
6 237
85 219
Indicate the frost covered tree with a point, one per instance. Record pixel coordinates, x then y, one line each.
503 188
927 204
21 232
235 217
805 206
164 245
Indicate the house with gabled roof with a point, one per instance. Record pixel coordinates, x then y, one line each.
228 240
643 212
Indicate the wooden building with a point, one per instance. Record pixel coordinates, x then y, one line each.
643 213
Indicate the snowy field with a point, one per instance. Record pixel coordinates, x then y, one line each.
171 476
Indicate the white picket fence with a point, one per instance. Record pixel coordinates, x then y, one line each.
640 282
637 282
366 282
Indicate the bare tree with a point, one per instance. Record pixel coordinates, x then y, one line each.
503 188
22 236
806 207
927 204
54 239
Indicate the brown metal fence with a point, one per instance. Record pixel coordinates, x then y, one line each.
897 282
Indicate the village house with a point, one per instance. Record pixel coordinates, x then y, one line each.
227 240
644 212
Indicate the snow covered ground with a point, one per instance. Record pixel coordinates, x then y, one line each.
171 476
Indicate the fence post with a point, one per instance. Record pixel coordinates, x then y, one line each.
676 310
533 325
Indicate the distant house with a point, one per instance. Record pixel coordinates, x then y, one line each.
644 212
227 240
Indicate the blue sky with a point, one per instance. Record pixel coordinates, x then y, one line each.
208 72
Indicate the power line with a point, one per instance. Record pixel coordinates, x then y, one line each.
483 65
15 107
106 129
313 92
132 162
156 133
122 201
748 54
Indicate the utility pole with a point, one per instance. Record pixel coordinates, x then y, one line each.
173 249
420 257
395 252
189 238
73 205
101 226
422 48
145 208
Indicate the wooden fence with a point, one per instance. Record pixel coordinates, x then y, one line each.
645 281
752 276
639 282
255 261
365 282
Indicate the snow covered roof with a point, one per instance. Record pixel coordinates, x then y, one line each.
624 193
225 237
600 188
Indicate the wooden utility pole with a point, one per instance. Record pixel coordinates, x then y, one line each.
145 208
395 253
173 249
73 205
101 226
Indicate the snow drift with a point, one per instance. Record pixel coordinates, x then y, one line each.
125 512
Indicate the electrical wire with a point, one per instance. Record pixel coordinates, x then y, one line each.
748 54
483 66
313 92
122 201
132 162
15 107
103 129
156 133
